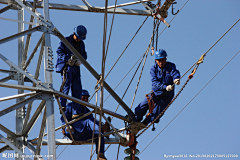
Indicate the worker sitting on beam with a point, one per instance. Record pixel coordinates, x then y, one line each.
163 76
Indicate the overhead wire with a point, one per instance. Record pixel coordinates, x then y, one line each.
146 52
192 99
102 80
126 48
110 33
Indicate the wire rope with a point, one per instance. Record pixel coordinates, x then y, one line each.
192 99
126 47
110 33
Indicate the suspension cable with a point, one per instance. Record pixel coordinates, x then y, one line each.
126 47
146 52
192 99
110 33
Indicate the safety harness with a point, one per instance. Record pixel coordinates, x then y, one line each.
151 104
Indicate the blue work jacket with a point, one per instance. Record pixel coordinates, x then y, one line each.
83 125
161 78
69 112
64 54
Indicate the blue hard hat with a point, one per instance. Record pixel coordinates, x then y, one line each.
81 32
85 93
160 54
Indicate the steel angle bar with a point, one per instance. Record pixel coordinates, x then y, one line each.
60 94
33 53
69 142
19 34
34 118
127 4
40 57
6 147
64 117
37 72
7 131
112 127
4 2
19 69
14 20
16 96
75 120
31 147
25 53
27 8
6 78
20 104
48 79
6 8
13 147
22 87
97 9
42 129
95 74
87 4
7 71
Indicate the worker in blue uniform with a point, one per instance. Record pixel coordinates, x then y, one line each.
69 65
82 130
163 75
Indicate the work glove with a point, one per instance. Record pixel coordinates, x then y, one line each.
78 63
72 60
176 81
71 129
169 88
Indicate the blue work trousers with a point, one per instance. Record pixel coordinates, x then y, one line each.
73 81
143 107
86 130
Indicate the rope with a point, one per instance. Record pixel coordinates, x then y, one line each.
129 83
196 66
146 52
102 81
192 99
94 126
111 28
142 56
118 151
126 47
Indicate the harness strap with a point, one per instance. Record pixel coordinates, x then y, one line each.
151 104
64 76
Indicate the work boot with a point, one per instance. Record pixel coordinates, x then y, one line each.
106 127
102 157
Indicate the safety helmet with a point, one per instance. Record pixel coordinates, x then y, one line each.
85 93
81 32
160 54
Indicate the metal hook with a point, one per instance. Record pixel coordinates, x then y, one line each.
174 8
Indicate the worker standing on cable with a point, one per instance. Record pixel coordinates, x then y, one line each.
163 76
69 65
82 130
